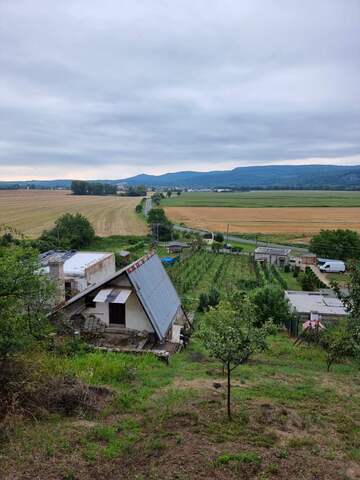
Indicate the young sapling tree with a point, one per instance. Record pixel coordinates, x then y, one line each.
230 335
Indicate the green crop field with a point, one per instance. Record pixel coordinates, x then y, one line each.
266 198
203 270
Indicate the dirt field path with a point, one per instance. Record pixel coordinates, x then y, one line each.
301 220
32 211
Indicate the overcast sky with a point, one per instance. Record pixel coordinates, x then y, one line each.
112 88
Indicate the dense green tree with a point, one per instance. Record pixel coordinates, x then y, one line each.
71 231
351 300
338 244
81 187
231 336
161 226
25 299
219 237
136 191
338 344
270 304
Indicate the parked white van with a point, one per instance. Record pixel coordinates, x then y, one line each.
333 266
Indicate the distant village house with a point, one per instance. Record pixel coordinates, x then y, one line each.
272 255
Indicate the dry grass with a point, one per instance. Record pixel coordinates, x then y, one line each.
303 221
32 211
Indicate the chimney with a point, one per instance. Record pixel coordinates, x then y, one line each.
56 273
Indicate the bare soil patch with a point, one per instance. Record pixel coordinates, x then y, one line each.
298 220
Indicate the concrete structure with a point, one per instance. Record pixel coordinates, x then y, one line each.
271 255
323 306
77 270
138 298
176 247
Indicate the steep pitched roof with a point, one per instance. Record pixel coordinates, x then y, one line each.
153 287
155 292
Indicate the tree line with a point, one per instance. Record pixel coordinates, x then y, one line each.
81 187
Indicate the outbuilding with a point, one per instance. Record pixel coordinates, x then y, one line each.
324 306
273 255
176 247
75 271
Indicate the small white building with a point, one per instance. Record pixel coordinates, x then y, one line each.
76 271
138 298
208 238
272 255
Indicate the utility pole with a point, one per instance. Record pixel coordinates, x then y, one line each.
227 234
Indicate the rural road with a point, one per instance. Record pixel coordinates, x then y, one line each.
232 238
148 206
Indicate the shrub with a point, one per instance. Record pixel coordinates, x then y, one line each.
270 304
70 232
338 344
219 237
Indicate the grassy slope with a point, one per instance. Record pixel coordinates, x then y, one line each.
269 198
292 420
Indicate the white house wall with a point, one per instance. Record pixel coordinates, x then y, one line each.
101 311
136 318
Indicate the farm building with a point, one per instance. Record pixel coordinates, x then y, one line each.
137 300
324 306
176 247
273 255
303 261
76 271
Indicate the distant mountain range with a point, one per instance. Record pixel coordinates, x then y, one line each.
276 176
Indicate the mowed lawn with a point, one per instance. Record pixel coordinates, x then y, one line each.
266 198
32 211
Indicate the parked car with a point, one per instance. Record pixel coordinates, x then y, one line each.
333 266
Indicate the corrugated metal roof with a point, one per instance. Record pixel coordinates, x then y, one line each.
273 251
102 296
155 291
307 302
120 295
113 295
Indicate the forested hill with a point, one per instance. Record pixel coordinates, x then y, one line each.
304 176
285 176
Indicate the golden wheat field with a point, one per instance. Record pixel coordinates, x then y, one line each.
298 220
32 211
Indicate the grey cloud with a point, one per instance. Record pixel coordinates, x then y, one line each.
158 85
